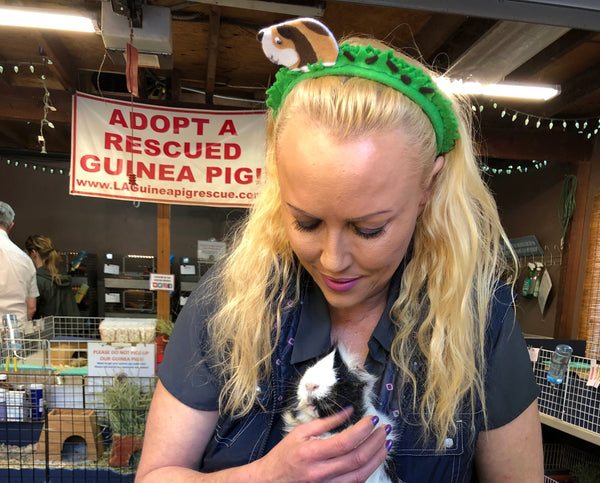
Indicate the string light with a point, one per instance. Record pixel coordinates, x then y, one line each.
36 166
48 106
515 167
21 66
582 126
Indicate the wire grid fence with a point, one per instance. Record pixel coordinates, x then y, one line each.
576 400
560 457
56 422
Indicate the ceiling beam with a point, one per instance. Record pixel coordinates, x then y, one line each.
213 51
63 67
435 32
502 49
521 144
467 34
558 49
584 16
573 90
26 104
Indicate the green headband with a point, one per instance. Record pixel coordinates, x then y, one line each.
371 63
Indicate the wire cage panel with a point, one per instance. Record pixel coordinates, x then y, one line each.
577 400
93 425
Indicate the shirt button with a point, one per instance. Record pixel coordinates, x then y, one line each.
449 442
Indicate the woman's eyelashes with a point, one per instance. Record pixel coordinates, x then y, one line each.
369 232
312 225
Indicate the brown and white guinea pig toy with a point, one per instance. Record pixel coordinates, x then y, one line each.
298 42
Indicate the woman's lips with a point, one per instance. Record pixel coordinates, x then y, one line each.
340 284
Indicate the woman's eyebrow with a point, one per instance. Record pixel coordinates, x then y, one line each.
350 220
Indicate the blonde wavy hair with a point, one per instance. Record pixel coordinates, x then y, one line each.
446 288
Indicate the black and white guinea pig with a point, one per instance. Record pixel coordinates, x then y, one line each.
298 42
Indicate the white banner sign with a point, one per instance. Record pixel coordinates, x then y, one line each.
160 154
112 359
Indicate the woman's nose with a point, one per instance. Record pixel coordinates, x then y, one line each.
335 253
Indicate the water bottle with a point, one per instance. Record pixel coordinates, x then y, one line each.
559 363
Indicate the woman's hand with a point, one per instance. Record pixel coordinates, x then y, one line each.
348 457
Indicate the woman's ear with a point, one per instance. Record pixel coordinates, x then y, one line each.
438 164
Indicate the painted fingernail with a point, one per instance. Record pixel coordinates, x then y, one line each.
388 444
375 420
388 429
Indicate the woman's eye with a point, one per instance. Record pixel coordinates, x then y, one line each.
369 232
307 225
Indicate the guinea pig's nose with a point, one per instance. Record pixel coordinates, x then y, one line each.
260 36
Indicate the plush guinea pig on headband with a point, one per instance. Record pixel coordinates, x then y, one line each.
299 42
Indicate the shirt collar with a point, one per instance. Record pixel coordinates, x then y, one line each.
313 336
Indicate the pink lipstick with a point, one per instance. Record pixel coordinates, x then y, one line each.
340 284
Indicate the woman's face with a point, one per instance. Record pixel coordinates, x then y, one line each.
349 209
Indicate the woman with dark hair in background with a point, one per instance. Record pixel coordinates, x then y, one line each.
56 292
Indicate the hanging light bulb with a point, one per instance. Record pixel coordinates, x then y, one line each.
481 108
514 118
31 68
584 124
527 120
1 69
16 69
504 114
551 125
564 124
495 105
577 124
538 123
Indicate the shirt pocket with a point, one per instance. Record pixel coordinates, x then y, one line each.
252 426
419 460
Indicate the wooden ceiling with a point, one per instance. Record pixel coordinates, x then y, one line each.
217 62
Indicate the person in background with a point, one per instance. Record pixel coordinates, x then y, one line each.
18 287
374 230
56 291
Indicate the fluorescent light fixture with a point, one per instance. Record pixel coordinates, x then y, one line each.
48 19
501 89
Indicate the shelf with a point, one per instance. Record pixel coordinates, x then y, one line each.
126 283
188 286
571 429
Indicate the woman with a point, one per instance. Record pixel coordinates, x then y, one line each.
374 230
56 292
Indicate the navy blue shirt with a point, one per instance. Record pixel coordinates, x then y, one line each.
510 385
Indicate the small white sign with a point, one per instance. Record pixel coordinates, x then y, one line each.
187 269
162 281
113 359
210 250
111 269
112 298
